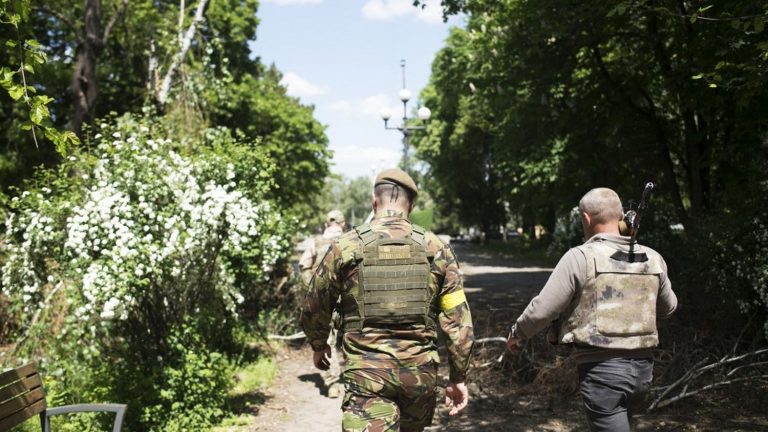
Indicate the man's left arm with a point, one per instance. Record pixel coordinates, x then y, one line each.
456 323
454 317
666 302
319 301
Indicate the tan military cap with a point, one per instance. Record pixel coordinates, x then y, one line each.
397 176
335 216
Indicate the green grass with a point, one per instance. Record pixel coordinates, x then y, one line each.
254 376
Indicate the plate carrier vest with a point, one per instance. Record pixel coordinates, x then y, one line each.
616 307
393 282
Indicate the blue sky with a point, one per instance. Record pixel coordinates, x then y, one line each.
343 57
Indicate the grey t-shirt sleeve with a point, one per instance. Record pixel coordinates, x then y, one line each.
666 302
556 295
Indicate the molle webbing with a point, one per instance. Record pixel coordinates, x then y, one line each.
393 284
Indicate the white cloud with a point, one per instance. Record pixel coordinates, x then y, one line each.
372 105
369 107
386 10
355 160
342 106
299 87
292 2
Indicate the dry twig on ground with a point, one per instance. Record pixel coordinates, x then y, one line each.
724 369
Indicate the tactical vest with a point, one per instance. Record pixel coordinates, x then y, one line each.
616 307
393 282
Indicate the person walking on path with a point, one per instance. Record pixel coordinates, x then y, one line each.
308 263
397 283
604 297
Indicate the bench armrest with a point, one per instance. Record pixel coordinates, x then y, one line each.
118 409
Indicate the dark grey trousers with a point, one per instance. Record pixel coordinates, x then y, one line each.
612 390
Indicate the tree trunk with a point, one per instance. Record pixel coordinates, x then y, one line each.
84 83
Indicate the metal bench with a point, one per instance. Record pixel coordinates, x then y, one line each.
22 397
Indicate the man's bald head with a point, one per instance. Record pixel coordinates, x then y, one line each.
393 196
602 205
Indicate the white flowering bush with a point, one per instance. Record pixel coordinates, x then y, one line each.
134 238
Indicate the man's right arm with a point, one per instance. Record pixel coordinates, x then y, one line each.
555 297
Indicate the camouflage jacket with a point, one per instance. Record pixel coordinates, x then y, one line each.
407 346
315 250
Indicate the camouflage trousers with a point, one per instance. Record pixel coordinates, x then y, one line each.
378 400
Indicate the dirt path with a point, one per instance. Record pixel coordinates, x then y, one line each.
495 286
498 288
297 401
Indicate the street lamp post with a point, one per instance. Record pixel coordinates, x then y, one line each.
423 114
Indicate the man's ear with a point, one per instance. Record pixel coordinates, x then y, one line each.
374 203
587 218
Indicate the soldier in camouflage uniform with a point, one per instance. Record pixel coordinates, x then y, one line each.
397 283
308 263
603 298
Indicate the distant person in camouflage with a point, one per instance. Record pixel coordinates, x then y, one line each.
397 283
335 223
603 298
308 263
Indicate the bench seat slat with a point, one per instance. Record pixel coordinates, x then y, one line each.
12 375
25 385
20 416
10 407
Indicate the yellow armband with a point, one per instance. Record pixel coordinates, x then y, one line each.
451 300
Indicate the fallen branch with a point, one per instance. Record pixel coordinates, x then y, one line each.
686 393
699 369
295 336
491 339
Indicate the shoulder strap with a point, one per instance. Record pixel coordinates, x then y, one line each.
366 234
418 235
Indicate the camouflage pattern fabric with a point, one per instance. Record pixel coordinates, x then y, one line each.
394 347
617 304
314 252
378 400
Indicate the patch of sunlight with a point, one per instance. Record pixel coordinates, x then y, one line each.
255 376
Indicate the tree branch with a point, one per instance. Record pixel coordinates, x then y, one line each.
108 29
699 368
36 317
686 393
165 88
63 18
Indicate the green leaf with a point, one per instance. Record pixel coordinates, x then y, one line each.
10 43
698 76
43 99
33 43
16 92
759 25
712 85
38 113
